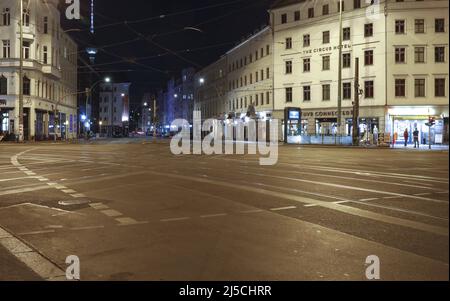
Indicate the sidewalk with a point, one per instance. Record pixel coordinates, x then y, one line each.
12 269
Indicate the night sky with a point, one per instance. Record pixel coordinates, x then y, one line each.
158 48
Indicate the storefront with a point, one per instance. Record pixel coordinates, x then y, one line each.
416 118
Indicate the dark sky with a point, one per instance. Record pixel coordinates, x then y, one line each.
148 61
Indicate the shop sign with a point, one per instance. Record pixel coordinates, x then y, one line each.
325 49
321 114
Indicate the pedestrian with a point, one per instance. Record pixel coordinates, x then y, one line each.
406 136
416 138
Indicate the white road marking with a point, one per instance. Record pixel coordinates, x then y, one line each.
252 211
213 215
111 213
23 190
68 191
16 179
36 232
127 221
369 199
98 206
78 195
35 261
87 228
284 208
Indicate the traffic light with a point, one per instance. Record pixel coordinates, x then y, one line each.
431 121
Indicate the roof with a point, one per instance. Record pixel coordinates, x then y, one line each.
283 3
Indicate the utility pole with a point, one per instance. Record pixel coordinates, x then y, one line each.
356 106
154 118
339 113
21 132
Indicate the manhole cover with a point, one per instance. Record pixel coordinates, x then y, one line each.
73 202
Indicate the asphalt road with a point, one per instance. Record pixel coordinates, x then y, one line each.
134 211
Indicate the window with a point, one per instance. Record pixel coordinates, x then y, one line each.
439 25
439 87
288 94
325 37
419 87
399 26
346 34
6 49
297 15
267 50
419 54
3 85
306 65
257 100
347 90
325 9
45 25
419 26
307 93
339 6
26 17
368 89
346 60
368 30
267 98
26 86
326 62
368 57
400 55
356 3
267 72
26 50
6 17
311 12
439 54
306 40
400 87
288 43
283 18
326 92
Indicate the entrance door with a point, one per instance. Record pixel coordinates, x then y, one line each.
26 124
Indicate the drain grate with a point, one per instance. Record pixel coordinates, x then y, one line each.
73 202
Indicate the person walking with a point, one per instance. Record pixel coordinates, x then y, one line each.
406 136
416 138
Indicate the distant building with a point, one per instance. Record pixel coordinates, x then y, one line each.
50 72
177 102
114 108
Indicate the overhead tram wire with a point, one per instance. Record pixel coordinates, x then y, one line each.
163 16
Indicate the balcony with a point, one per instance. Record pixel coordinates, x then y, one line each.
52 71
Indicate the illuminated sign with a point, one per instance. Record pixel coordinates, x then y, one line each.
295 115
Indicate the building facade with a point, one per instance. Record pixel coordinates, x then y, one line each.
211 90
114 108
250 76
49 76
402 47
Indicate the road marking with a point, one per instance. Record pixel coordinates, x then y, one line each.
87 228
32 259
68 191
111 213
98 206
252 211
341 202
284 208
423 194
78 195
352 188
213 215
127 221
36 232
345 209
369 199
23 190
16 179
311 205
175 219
